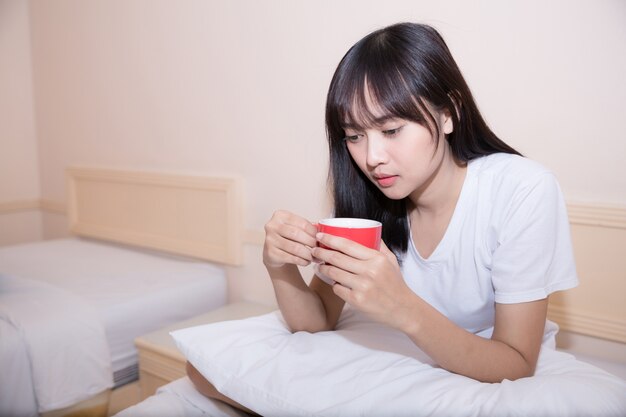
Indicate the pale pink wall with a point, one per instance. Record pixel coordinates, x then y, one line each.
238 87
19 166
229 86
19 176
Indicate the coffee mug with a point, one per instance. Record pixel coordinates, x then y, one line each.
364 231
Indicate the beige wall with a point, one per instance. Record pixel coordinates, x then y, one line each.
226 86
234 86
20 219
238 86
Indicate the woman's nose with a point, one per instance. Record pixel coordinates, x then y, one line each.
376 152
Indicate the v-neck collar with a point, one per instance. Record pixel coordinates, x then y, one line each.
453 230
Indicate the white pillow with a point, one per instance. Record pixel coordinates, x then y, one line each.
366 369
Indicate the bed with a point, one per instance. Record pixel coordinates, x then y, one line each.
375 371
148 249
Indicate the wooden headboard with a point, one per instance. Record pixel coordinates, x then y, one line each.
597 307
188 215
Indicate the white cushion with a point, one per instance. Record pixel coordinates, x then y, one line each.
364 368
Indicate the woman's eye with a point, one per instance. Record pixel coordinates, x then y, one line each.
392 132
352 138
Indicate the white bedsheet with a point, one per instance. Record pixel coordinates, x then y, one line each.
367 369
38 320
180 399
132 291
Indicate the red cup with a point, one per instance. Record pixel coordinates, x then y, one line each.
364 231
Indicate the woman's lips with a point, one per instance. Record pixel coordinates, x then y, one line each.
386 180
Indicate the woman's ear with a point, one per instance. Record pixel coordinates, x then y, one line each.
448 122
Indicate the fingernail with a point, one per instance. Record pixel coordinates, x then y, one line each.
319 236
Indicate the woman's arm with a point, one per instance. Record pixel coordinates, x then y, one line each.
511 353
288 242
371 281
311 308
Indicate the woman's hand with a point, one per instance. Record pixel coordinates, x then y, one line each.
368 279
288 240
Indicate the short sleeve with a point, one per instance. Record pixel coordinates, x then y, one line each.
324 278
533 255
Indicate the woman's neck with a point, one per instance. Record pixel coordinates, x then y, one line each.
441 193
433 207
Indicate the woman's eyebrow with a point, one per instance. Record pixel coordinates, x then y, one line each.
377 121
349 125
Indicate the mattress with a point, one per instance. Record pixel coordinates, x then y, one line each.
134 291
179 398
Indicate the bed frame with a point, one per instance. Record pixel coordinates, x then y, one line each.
190 215
597 306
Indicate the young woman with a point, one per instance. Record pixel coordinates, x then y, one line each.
475 236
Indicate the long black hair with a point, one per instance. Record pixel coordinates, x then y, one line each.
408 71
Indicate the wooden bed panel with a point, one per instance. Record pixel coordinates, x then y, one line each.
189 215
597 307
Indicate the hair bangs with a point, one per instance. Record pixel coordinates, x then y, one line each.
376 93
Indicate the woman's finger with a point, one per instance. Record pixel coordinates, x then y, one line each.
340 276
387 252
280 257
350 248
298 234
293 248
343 292
336 258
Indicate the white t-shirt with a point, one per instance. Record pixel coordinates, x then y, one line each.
508 242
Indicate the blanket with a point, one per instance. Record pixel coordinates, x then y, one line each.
179 398
53 348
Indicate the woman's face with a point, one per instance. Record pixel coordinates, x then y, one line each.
400 157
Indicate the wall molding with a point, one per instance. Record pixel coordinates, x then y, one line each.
602 215
250 236
587 214
17 206
52 206
588 323
597 215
